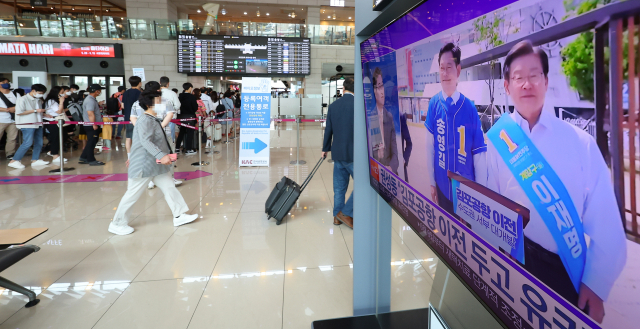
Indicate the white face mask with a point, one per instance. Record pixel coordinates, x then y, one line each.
161 110
38 95
68 93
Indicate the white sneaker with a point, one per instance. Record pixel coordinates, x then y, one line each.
120 229
191 152
16 164
39 163
177 182
151 185
184 219
56 161
49 154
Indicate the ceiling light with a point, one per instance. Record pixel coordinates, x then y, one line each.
223 11
73 8
349 17
52 7
107 10
293 14
267 14
258 12
245 12
198 10
328 16
334 16
89 9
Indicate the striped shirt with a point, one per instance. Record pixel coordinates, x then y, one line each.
149 143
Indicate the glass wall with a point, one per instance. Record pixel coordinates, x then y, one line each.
158 29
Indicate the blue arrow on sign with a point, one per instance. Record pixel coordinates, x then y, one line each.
257 146
9 180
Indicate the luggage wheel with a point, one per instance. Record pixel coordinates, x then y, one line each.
279 222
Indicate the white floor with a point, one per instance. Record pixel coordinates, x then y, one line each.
230 269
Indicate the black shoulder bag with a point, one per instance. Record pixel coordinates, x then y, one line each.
9 104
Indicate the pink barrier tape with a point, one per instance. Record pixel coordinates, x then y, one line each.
186 125
313 120
77 123
113 116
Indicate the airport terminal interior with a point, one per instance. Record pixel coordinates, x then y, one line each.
319 164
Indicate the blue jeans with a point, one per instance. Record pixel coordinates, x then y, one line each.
30 136
341 172
172 126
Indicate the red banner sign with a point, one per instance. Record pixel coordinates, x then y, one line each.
56 49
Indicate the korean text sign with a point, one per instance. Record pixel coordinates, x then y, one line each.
255 121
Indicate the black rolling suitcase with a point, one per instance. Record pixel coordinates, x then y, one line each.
285 194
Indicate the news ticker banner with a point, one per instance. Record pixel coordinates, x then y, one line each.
56 49
255 120
515 296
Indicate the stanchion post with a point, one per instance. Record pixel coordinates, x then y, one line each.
200 163
61 151
298 161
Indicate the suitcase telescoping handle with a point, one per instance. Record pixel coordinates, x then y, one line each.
313 172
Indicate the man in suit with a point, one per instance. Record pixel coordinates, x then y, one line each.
387 153
340 129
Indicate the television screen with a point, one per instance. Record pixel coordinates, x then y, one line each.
492 159
246 56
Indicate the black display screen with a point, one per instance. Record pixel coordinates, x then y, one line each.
237 55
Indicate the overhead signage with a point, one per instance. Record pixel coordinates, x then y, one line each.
255 122
55 49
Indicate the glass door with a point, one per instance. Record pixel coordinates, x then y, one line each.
81 81
114 83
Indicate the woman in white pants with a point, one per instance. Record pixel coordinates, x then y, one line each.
149 144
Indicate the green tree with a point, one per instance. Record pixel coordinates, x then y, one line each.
492 32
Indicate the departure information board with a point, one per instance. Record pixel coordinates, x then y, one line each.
238 55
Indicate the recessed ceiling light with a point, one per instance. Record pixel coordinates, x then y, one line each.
198 10
349 17
245 12
328 16
267 14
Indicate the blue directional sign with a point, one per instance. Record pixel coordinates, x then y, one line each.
255 122
257 146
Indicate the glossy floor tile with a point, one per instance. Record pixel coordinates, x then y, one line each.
231 268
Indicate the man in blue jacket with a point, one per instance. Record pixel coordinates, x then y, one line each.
340 129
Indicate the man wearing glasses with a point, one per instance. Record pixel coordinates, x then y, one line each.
557 171
454 133
387 152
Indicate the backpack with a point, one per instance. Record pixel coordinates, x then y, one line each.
113 106
220 108
76 112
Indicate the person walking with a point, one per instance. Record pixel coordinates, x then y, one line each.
91 115
338 139
150 161
8 101
29 119
188 108
54 108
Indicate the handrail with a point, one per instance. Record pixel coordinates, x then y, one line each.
151 29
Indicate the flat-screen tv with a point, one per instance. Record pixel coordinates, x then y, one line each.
246 56
483 141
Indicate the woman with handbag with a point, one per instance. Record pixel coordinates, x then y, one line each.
150 160
54 110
